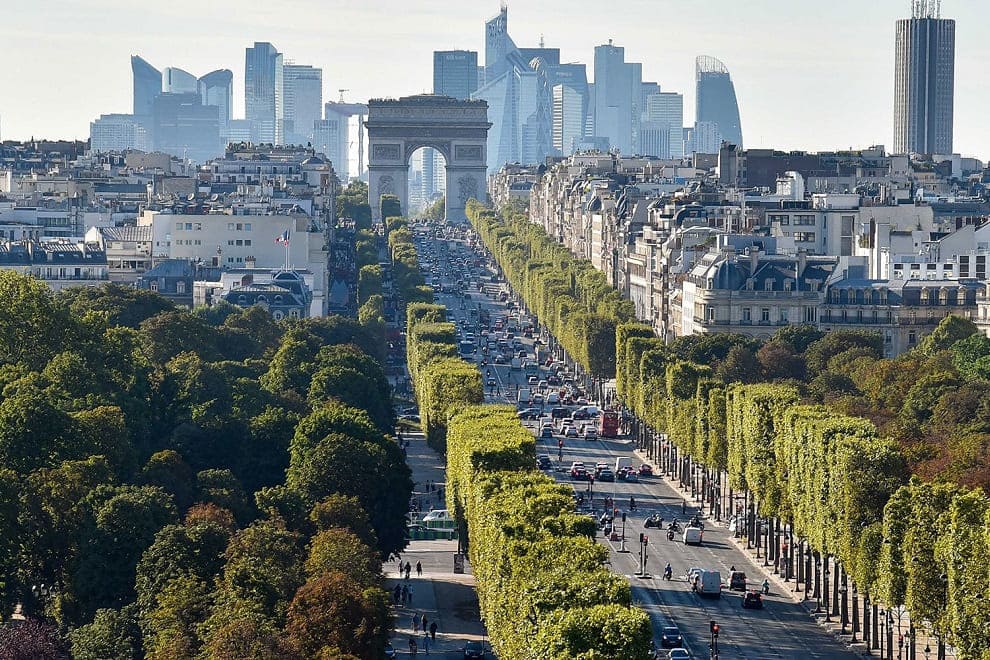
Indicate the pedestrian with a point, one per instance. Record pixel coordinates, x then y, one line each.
397 594
422 623
400 566
419 569
426 642
405 594
415 620
408 569
433 630
410 596
412 646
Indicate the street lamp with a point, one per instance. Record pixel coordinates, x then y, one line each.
818 594
843 605
855 617
882 617
825 573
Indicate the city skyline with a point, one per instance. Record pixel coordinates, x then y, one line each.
783 86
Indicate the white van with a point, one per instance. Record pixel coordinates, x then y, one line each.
693 535
710 584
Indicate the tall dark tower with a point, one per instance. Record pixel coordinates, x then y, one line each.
716 100
924 80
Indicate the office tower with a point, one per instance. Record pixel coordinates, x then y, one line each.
455 73
618 94
924 80
664 114
263 92
705 138
303 94
177 81
117 133
568 118
186 128
716 101
147 85
217 89
519 100
332 138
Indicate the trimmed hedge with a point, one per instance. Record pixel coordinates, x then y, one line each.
543 590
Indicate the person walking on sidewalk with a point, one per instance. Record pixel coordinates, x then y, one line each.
408 569
396 594
405 594
422 623
410 596
433 630
426 643
419 569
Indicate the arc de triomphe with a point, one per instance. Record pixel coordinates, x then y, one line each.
457 129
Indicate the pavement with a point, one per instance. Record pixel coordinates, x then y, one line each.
441 595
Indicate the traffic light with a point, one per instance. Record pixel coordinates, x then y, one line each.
714 628
623 516
642 537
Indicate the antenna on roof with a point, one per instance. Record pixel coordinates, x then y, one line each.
541 40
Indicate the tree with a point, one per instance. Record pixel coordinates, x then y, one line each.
839 341
33 325
344 512
170 333
248 636
172 625
352 203
779 361
339 550
103 431
124 521
10 534
113 635
798 337
116 303
739 366
950 330
31 639
369 282
332 613
390 207
33 433
168 471
222 488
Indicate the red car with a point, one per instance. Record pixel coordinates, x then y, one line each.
645 470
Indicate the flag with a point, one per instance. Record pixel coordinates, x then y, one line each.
284 238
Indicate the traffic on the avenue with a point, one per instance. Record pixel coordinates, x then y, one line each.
706 597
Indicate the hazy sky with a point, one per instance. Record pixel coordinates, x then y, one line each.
808 75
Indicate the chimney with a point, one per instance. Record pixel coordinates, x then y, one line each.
802 261
754 259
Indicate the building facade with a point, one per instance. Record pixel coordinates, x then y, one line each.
303 88
716 102
264 92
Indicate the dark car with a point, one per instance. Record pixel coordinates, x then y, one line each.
547 432
737 581
752 600
544 462
670 637
606 475
528 413
474 650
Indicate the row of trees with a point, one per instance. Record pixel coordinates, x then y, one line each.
183 484
541 578
568 295
409 282
835 478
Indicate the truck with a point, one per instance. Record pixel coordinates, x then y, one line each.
709 583
693 535
524 397
608 424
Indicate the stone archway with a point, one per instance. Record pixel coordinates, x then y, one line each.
457 129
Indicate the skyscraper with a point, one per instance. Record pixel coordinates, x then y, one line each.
665 115
924 80
303 87
716 100
455 73
568 118
217 89
186 128
618 98
147 85
177 81
263 91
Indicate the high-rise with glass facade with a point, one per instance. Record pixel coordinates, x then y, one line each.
303 106
263 92
147 85
455 73
924 80
618 98
716 100
217 89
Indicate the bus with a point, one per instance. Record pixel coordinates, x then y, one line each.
608 424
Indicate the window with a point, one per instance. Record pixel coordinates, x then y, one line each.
804 220
768 285
746 315
710 313
765 314
912 337
230 226
239 226
294 313
239 242
804 237
810 315
180 287
779 219
278 315
783 315
189 226
964 266
247 226
247 242
154 285
230 241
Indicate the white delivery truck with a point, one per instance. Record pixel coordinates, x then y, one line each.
709 583
693 535
524 396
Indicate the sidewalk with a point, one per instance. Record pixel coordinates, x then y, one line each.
445 597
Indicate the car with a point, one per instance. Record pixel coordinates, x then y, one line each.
737 581
631 477
490 382
645 470
599 466
410 418
538 398
670 637
544 462
678 654
500 359
570 432
578 471
752 600
528 413
606 475
546 432
532 380
590 433
694 572
473 650
581 414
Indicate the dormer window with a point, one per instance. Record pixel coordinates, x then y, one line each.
768 285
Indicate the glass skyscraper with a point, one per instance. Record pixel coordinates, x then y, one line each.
455 73
217 89
147 85
263 92
618 96
177 81
924 80
303 106
716 99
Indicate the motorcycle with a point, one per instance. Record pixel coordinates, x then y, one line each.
766 587
670 535
653 521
